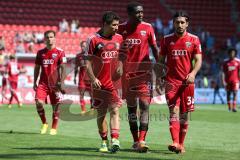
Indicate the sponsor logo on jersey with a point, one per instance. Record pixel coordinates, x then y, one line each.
48 61
188 44
172 43
143 33
109 54
179 52
133 41
231 68
54 55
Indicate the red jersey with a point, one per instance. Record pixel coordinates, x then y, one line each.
179 52
231 68
13 71
138 40
49 60
103 51
79 62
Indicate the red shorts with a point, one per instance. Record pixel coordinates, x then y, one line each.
181 96
138 87
104 98
43 91
13 85
233 86
84 85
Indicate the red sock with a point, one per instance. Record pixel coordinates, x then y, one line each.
183 132
115 133
142 135
135 135
229 105
55 116
234 104
174 130
103 135
82 103
41 114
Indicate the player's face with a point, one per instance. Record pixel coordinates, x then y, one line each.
180 25
83 46
137 14
113 27
50 39
232 54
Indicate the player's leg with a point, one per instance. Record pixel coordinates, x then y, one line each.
82 101
229 100
173 99
234 101
187 106
114 126
41 94
13 91
55 98
219 95
133 120
102 128
144 103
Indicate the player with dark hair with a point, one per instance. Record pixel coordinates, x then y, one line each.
137 72
102 49
83 82
13 71
230 78
178 51
51 61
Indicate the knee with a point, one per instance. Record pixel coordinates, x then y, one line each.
174 112
114 111
39 104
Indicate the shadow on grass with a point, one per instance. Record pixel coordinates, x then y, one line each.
93 153
16 132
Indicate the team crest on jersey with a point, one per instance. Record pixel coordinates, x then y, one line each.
188 44
172 43
143 33
100 45
54 55
117 45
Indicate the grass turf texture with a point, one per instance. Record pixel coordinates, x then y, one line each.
213 134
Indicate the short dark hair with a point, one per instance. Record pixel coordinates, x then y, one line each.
132 5
109 16
181 14
49 31
232 49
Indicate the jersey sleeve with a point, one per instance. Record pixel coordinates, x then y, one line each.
62 58
197 47
163 47
90 48
38 59
152 37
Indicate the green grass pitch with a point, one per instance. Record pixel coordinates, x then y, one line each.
214 134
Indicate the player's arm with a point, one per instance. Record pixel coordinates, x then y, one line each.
160 71
62 73
198 63
36 74
223 79
96 83
75 71
155 52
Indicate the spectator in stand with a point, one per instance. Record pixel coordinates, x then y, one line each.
20 47
74 26
18 37
39 37
2 43
63 26
158 25
237 46
209 41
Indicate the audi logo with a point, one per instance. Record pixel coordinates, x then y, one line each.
109 54
48 61
134 41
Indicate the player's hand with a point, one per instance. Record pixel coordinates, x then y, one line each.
190 78
75 81
34 86
60 88
96 84
160 86
118 73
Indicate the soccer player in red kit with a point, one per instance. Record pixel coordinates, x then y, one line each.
178 51
51 61
13 71
230 78
102 48
83 82
137 80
